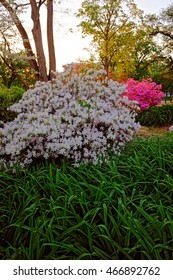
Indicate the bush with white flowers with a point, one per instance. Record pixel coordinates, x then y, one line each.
171 128
76 117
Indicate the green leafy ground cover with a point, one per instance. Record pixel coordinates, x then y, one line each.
121 210
156 116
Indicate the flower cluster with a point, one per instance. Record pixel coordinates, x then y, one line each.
147 93
76 117
171 128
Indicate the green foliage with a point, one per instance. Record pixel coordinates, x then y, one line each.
122 210
122 41
144 52
161 27
156 116
162 73
9 96
16 71
111 28
14 93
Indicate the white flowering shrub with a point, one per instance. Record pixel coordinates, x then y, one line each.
171 128
76 117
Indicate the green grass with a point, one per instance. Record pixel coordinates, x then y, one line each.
121 210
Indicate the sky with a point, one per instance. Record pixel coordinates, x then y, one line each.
153 6
70 46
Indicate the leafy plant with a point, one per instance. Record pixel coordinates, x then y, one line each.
156 116
9 96
120 210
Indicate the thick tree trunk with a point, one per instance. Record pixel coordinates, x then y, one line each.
37 35
50 39
24 36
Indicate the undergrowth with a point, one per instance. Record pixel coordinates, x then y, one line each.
121 210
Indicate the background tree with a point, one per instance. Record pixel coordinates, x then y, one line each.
14 65
163 25
161 28
15 70
145 52
38 62
111 23
122 39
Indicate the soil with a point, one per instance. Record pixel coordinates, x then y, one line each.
146 131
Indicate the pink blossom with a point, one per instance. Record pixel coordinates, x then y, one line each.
147 93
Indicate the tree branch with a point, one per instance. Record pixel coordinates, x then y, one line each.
165 33
24 36
11 67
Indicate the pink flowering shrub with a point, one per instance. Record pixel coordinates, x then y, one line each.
147 93
76 117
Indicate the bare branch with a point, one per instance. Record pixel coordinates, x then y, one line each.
165 33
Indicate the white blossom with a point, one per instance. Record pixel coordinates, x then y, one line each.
78 117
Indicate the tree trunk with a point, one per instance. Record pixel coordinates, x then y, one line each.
24 36
37 35
50 39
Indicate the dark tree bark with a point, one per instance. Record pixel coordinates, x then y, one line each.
162 32
37 35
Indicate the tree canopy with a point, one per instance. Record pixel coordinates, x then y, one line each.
161 28
111 23
124 38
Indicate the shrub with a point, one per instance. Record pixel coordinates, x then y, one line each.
9 96
12 94
156 116
147 93
76 117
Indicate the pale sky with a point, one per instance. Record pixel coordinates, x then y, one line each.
69 46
